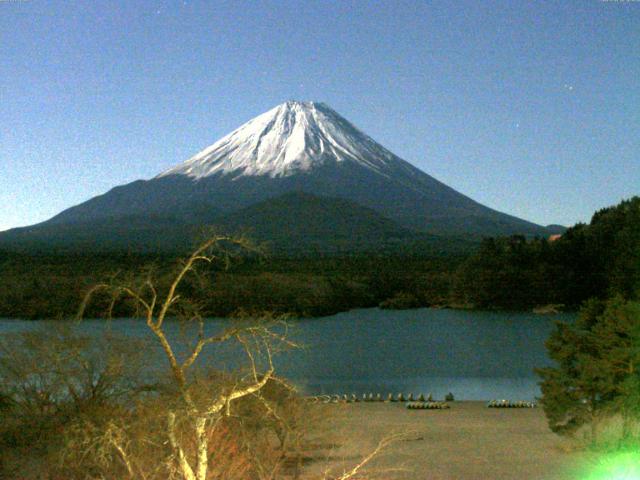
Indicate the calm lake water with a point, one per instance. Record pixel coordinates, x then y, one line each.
474 355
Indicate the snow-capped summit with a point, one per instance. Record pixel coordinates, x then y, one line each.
290 138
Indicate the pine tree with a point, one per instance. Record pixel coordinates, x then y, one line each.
570 397
598 367
618 341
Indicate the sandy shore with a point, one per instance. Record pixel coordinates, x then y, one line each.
466 442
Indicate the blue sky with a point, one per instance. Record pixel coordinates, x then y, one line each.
530 107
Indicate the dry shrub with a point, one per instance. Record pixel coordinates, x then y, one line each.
134 445
49 378
259 440
228 459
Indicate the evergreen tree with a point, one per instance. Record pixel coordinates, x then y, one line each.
618 342
571 391
598 363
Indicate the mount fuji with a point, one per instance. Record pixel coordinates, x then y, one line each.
291 169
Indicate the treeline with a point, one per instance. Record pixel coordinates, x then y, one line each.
48 286
40 285
597 260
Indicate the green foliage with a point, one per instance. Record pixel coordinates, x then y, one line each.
598 367
597 260
507 273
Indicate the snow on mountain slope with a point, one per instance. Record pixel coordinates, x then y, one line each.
288 139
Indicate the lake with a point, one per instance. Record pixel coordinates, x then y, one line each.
474 355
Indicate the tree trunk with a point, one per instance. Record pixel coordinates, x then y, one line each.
202 461
594 423
183 463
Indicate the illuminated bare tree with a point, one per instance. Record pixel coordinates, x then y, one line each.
203 410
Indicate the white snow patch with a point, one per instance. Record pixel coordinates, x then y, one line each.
290 138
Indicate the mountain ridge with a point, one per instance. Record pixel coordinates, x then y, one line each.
298 147
296 224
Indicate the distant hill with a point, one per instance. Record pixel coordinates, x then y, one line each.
134 232
302 223
295 223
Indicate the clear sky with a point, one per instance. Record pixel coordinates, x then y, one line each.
530 107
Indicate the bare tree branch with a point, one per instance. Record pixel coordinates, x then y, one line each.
384 443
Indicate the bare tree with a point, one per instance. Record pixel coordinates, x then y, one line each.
190 421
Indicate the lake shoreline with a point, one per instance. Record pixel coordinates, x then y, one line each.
542 311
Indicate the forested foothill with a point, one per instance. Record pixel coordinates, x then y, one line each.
599 259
